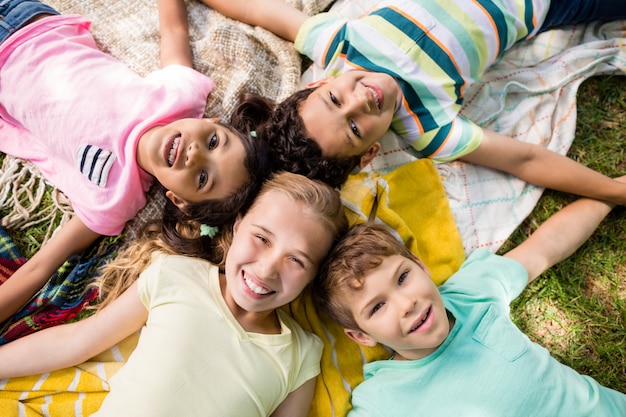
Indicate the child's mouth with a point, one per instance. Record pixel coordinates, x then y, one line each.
421 321
257 289
377 95
171 156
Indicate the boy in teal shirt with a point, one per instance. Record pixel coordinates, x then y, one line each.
456 351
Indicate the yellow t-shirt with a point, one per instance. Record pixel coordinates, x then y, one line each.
193 357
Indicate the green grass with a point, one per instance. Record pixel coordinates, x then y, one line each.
29 241
577 309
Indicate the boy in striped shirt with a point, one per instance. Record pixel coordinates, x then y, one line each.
405 66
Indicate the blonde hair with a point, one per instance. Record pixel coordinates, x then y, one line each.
319 200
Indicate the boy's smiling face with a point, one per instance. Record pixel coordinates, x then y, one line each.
347 115
400 307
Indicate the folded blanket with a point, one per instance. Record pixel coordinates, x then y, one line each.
74 391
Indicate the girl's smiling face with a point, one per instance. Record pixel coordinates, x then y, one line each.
276 251
400 307
194 159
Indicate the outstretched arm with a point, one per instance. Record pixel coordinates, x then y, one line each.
298 402
540 166
174 31
72 238
76 342
276 16
560 235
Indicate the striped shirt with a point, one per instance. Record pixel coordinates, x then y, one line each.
435 49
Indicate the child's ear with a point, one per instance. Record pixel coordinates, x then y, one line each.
318 83
360 337
369 155
178 202
236 224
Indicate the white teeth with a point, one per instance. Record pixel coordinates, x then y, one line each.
172 155
255 288
376 99
421 321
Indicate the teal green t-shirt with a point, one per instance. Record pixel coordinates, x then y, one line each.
487 366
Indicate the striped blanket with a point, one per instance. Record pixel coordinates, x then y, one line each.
62 298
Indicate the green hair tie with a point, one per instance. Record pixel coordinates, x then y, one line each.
210 231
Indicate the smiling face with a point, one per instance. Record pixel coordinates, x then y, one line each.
400 307
347 115
276 251
194 159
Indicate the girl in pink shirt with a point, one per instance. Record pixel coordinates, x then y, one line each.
102 134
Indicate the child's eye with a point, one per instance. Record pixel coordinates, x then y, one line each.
262 239
402 277
298 261
355 129
376 308
334 100
213 141
202 180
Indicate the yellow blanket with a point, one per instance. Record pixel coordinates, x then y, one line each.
412 202
74 391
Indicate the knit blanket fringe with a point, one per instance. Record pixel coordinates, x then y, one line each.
27 200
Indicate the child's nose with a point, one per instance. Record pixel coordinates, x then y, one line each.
194 154
268 267
408 304
359 102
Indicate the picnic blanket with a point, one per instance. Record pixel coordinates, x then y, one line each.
75 391
63 297
529 94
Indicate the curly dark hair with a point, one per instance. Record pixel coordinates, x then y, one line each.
294 151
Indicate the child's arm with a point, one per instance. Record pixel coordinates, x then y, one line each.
276 16
298 402
174 31
560 235
72 238
540 166
76 342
